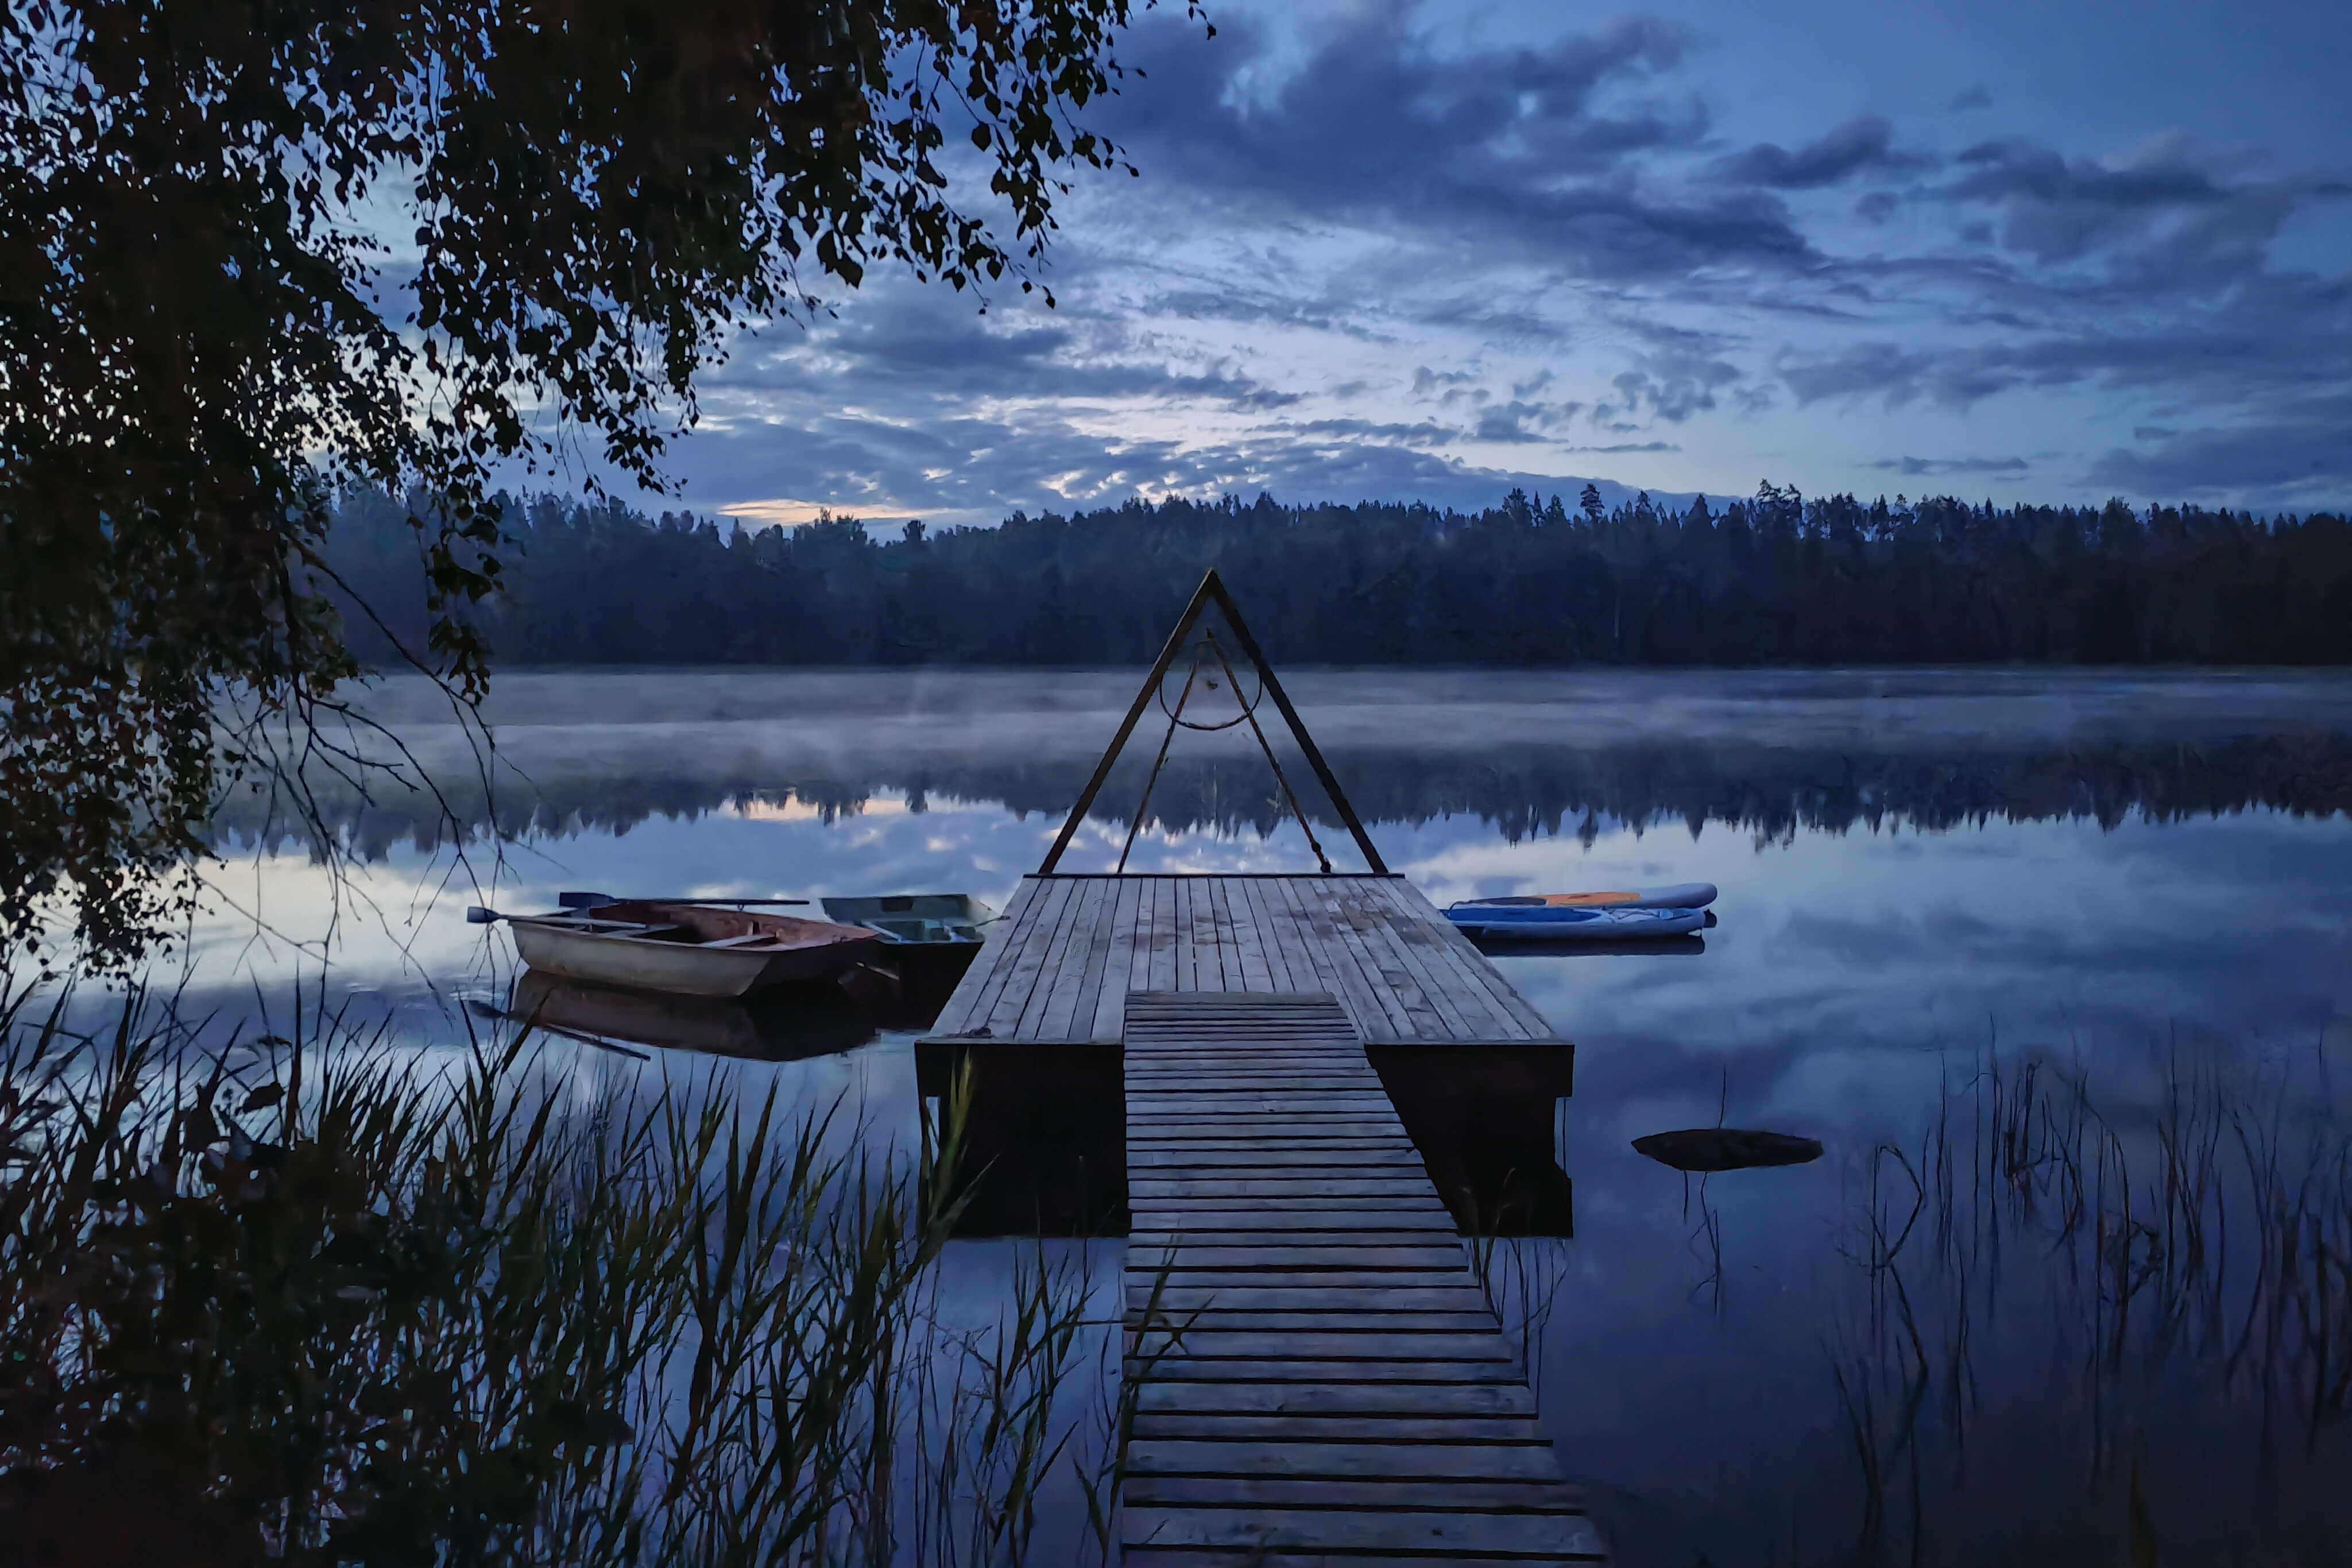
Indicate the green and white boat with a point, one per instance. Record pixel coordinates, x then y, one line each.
916 919
930 938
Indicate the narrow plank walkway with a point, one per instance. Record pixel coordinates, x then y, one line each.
1059 965
1320 1379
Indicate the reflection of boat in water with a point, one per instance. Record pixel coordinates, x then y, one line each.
687 949
1543 947
783 1023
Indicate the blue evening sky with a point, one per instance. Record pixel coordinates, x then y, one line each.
2021 251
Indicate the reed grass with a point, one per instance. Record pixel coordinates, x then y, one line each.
1521 1276
2189 1262
346 1304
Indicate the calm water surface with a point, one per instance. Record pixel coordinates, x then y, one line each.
2056 966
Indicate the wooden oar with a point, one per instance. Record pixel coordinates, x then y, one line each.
482 1008
478 914
591 900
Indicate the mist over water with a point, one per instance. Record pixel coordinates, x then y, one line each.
1524 750
2136 885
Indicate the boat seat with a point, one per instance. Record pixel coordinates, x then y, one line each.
748 939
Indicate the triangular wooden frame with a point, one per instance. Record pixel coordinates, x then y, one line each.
1212 591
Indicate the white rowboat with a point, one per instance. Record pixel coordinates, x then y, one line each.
687 949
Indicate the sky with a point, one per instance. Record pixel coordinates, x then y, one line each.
2007 250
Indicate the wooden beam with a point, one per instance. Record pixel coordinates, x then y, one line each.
1212 589
1127 725
1215 588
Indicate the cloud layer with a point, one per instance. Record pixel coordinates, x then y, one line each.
1372 256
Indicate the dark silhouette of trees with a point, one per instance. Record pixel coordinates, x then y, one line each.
1779 579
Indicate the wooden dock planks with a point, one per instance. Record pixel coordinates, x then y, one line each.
1319 1378
1058 966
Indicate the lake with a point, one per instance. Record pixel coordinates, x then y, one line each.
2057 966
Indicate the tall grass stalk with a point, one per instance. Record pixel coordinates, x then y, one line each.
2195 1260
1521 1277
352 1305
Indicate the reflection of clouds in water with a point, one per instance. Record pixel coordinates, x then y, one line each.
1711 1419
1831 942
2145 921
2072 901
1845 991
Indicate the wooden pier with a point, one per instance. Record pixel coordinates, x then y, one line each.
1320 1376
1059 966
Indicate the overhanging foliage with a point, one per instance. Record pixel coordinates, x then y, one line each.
250 252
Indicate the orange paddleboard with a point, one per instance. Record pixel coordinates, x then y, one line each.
1681 895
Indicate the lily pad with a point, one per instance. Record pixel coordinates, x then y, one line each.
1727 1149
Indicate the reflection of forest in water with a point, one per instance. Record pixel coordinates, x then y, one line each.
2075 1314
2081 1298
1524 791
614 752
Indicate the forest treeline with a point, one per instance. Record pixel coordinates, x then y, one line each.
1776 578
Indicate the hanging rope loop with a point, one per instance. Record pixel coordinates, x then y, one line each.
1207 646
1206 649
